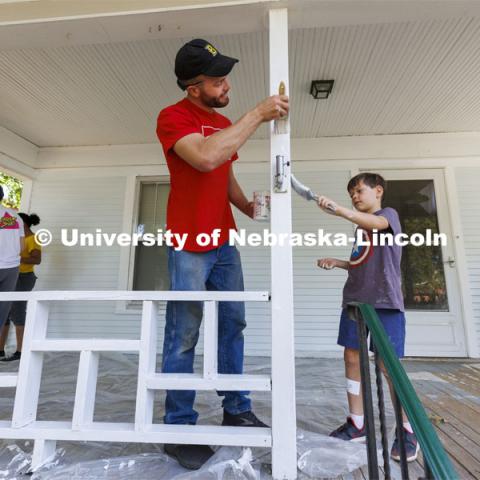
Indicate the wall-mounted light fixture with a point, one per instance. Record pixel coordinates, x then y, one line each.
321 88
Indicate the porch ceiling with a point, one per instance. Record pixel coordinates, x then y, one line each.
391 77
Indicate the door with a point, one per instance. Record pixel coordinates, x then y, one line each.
429 274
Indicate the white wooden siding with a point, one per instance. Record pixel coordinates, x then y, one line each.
89 203
86 204
317 292
92 203
469 202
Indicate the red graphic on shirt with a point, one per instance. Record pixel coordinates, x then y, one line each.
208 130
7 222
361 253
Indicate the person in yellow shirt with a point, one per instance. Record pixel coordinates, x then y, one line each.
31 255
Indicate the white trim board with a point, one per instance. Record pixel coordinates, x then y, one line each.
75 12
435 149
138 295
245 15
16 168
245 166
17 148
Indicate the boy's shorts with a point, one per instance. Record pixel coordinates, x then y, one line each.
393 322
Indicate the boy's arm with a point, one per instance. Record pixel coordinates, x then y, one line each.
367 221
329 263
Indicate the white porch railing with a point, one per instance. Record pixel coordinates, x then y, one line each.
82 427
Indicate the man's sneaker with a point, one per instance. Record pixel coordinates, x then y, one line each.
349 432
2 353
245 419
411 446
191 457
14 356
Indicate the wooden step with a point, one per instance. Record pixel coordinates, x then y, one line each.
137 295
156 433
187 381
8 379
85 344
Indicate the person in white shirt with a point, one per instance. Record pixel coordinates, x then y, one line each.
11 244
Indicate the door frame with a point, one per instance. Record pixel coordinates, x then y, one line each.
466 303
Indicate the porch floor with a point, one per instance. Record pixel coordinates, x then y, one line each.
449 389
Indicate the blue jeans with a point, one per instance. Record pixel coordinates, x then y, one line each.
218 269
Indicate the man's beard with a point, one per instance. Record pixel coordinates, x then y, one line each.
215 102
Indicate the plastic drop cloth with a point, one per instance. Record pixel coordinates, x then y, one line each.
321 407
319 457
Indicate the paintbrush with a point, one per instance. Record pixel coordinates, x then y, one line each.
280 125
307 193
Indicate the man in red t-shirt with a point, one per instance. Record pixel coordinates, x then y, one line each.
200 147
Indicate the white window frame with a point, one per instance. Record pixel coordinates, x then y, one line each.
131 213
27 186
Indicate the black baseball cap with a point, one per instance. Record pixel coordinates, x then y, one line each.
201 57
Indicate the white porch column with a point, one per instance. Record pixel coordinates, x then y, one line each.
284 450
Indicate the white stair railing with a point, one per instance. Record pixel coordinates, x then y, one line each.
45 434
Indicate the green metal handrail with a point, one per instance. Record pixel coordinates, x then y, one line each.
433 451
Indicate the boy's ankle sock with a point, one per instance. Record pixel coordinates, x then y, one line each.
358 420
407 427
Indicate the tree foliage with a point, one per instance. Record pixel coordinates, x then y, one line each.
12 188
422 268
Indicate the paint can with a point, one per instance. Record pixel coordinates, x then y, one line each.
261 206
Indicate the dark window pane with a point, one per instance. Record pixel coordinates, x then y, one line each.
151 268
151 262
423 277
